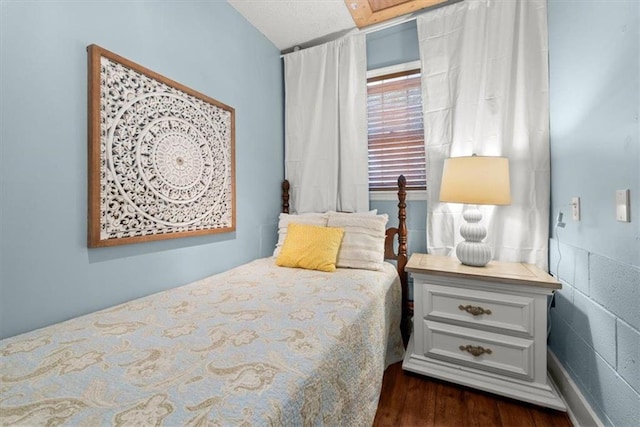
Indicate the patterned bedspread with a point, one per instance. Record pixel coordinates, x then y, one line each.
257 345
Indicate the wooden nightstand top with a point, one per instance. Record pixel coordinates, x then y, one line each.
504 272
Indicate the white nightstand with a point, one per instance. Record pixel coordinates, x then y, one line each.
482 327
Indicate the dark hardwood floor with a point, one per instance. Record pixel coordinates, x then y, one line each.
413 400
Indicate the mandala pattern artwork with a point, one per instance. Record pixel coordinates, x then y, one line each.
165 158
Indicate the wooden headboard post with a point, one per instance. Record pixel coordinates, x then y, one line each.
402 257
285 196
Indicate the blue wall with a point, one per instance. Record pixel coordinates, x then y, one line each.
594 60
47 274
394 45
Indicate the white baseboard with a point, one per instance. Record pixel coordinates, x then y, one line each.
580 412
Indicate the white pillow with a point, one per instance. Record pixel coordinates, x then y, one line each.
312 218
363 242
371 212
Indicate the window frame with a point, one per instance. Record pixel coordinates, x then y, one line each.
382 195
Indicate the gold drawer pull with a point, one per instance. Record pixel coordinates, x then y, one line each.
476 351
474 310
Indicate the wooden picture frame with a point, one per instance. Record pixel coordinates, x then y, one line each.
161 156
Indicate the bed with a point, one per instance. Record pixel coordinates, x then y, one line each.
256 345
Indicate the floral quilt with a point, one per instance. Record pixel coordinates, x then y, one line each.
256 345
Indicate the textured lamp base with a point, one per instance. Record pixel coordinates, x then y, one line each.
473 251
475 254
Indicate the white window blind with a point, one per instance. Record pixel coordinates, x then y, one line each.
396 131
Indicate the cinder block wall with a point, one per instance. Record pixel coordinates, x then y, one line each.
594 97
595 328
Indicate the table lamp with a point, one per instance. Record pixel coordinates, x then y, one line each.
475 180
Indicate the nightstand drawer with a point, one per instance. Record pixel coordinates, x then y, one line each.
504 355
497 312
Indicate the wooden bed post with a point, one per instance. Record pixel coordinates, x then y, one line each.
405 323
285 196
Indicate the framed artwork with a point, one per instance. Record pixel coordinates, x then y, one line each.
161 156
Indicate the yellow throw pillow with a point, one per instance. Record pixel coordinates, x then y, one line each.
310 247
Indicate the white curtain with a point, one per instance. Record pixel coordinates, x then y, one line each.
326 127
485 91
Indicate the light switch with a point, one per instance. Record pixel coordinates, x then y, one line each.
622 205
575 208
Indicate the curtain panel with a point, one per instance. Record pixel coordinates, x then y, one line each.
326 127
485 91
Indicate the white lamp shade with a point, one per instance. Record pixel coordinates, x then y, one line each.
476 180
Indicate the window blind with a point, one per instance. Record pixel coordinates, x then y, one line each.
396 131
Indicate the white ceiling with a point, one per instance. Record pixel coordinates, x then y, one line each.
287 23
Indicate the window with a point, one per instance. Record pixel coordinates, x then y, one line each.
395 130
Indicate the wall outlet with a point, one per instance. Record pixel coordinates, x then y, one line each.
575 208
622 205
